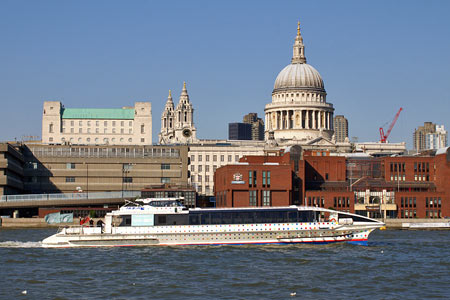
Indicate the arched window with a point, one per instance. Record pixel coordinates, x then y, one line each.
50 128
185 116
142 128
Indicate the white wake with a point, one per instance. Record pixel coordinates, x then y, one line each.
17 244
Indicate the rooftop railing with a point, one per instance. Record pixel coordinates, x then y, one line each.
70 196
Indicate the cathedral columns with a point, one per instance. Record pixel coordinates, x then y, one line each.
314 120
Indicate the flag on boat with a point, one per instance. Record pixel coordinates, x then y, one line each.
56 218
85 220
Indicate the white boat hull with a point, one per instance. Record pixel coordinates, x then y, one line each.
287 233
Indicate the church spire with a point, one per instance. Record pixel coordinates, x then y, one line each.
184 97
169 103
299 48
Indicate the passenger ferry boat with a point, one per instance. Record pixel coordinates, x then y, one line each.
165 221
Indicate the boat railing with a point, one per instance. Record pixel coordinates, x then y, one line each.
79 229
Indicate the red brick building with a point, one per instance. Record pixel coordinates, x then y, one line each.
393 187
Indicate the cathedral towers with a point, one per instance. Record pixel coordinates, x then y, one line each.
177 124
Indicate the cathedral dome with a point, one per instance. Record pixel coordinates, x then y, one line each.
299 76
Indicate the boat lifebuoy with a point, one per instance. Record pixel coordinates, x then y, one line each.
333 220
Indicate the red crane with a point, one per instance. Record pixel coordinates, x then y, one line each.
383 137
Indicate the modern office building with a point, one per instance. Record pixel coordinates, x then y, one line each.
239 131
257 126
97 126
436 140
11 170
68 168
430 136
340 128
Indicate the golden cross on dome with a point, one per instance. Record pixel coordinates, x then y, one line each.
298 28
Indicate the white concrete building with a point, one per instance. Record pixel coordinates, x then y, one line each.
299 110
97 126
436 140
206 156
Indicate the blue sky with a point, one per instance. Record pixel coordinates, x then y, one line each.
374 57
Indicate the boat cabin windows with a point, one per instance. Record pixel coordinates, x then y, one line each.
356 218
170 203
250 217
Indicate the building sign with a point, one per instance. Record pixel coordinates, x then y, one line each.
237 179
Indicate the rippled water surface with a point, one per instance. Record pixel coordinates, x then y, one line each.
395 265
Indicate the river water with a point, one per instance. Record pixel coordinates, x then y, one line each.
395 265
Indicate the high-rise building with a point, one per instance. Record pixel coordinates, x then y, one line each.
239 131
177 124
429 136
340 128
97 126
257 126
437 139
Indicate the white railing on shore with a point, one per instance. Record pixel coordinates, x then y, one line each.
70 196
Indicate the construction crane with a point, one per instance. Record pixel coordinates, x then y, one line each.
383 137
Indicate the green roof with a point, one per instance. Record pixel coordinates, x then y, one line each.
98 113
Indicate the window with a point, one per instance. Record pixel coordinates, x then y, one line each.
199 158
222 158
88 140
207 168
266 198
165 180
80 130
229 158
88 123
142 128
71 130
214 168
105 130
252 198
105 123
113 123
236 158
113 130
199 178
127 179
200 168
192 157
250 178
97 130
80 123
70 166
130 123
70 179
214 157
326 176
207 157
97 123
268 178
72 123
165 166
207 178
50 128
130 140
264 178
